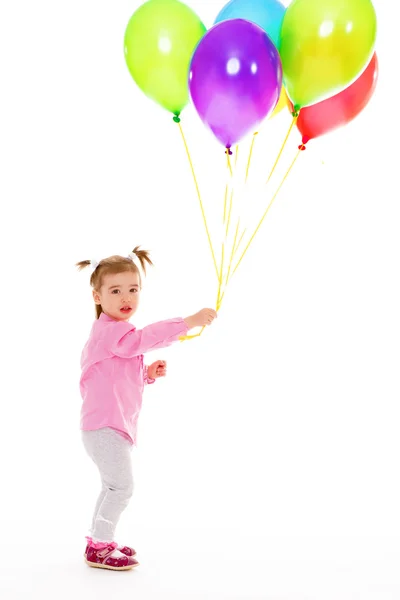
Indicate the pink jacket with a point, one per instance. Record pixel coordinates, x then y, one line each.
113 372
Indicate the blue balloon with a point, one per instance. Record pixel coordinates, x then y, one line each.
267 14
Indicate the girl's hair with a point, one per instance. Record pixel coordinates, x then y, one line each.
113 265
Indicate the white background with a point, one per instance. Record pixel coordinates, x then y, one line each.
268 460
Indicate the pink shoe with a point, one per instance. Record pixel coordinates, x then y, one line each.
127 550
100 556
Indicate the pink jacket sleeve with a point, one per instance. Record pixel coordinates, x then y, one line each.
134 342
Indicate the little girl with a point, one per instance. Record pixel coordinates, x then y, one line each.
111 384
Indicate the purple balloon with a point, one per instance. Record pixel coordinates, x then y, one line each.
235 79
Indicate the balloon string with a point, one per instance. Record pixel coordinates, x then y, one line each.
235 249
229 154
225 204
221 270
250 155
240 241
282 148
220 293
199 197
231 200
225 226
228 159
267 210
273 168
235 245
183 338
227 221
238 221
230 263
221 267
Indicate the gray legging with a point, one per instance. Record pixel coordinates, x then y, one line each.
111 453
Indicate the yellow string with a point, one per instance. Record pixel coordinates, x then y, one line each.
220 271
230 264
183 338
228 222
226 194
217 306
266 212
240 241
228 158
246 178
282 148
229 277
225 203
220 294
272 170
250 155
199 197
221 267
232 255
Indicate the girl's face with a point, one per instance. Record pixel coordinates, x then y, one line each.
119 295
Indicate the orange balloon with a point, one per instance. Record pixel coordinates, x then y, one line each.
283 102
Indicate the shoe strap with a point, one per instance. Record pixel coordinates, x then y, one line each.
106 552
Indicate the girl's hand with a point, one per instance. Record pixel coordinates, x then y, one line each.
157 369
204 317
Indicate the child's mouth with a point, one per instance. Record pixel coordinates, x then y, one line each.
126 309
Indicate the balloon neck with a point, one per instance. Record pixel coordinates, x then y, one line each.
176 118
296 110
228 151
304 141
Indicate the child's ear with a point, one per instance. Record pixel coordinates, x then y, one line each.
96 297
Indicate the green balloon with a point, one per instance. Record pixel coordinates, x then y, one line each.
325 46
160 39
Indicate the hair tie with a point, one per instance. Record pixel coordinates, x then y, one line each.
94 263
132 256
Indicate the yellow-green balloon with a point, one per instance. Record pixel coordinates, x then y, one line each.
160 39
325 46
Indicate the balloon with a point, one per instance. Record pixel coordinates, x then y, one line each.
235 79
159 42
325 45
340 109
282 103
268 14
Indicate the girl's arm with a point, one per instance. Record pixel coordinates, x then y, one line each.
135 342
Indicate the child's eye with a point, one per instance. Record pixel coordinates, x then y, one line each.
134 290
115 292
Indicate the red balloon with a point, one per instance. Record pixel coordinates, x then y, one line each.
340 109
